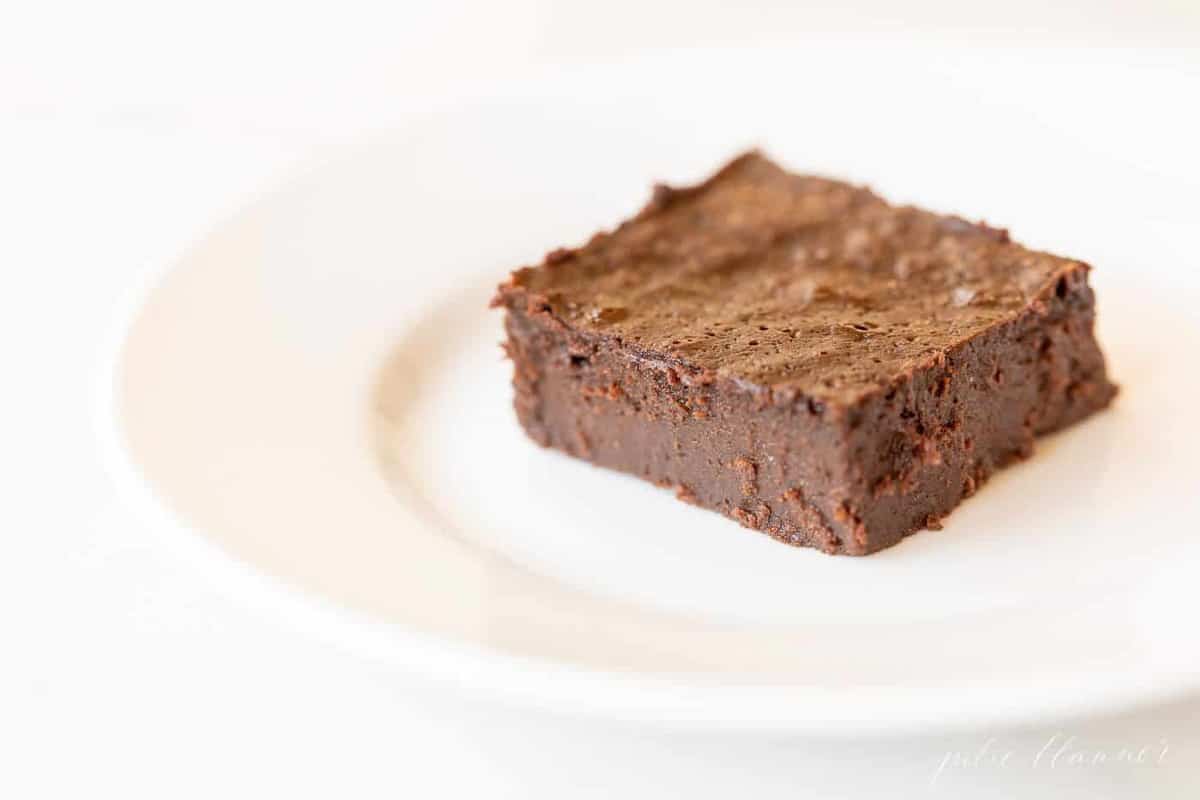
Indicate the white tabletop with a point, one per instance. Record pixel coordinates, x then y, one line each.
126 131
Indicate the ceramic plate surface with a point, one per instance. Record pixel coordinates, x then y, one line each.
316 390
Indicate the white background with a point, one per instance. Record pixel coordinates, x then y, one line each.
127 130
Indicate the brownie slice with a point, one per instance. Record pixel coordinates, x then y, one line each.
801 356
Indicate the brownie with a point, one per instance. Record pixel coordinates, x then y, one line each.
801 356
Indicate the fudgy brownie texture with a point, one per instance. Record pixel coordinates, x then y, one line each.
801 356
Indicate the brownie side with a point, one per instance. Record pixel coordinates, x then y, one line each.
778 468
934 437
843 480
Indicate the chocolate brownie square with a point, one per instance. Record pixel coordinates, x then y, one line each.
799 355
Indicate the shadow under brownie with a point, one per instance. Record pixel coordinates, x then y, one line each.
801 356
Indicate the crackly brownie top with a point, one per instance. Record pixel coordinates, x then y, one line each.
778 279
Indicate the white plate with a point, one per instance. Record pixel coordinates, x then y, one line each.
316 389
